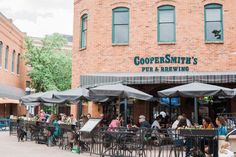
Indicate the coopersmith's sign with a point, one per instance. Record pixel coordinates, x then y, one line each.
180 63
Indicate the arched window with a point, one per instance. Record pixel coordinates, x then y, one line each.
83 36
166 23
120 25
18 64
1 45
213 22
6 57
13 61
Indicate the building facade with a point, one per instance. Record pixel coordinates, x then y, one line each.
12 68
153 45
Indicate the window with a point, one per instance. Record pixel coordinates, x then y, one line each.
83 37
213 22
13 61
166 24
6 57
1 54
120 25
18 64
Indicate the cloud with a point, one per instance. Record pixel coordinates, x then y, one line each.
40 17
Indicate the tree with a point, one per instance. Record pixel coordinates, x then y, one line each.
50 65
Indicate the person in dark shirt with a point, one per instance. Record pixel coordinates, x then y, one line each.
143 123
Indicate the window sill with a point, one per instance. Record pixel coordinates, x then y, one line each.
120 44
82 49
214 42
6 70
166 43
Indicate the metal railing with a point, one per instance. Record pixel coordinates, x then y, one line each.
122 142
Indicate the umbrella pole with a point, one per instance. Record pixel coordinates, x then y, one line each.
170 110
126 103
195 110
79 109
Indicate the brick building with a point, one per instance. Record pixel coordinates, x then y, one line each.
12 68
155 44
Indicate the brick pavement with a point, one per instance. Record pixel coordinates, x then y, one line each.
9 147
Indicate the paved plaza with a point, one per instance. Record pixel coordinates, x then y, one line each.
9 147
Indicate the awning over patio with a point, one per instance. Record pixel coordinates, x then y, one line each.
10 92
158 78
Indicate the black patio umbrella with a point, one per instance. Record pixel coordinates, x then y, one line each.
121 91
195 90
43 97
77 95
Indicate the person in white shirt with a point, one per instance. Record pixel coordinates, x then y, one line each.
189 124
176 122
156 123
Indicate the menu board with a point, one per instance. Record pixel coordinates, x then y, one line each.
90 125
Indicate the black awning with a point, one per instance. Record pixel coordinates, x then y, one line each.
158 78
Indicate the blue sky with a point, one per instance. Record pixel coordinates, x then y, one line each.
40 17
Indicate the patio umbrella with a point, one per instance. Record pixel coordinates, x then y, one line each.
195 90
73 94
77 95
121 91
46 97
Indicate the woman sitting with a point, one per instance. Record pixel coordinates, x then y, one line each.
115 123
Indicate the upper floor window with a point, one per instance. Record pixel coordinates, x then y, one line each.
120 25
1 53
13 61
166 24
6 57
18 64
213 22
83 38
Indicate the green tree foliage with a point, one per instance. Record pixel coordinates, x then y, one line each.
50 65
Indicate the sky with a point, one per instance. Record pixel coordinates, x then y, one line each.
40 17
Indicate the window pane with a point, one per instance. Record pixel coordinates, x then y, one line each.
83 39
18 64
213 30
13 62
166 32
0 54
121 33
6 58
85 23
213 15
121 18
166 16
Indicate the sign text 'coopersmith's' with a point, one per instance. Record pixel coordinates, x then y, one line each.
179 61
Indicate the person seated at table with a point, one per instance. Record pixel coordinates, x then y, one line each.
131 125
207 123
42 117
71 119
156 123
143 123
189 124
115 123
176 122
222 130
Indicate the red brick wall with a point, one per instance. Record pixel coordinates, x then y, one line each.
12 37
101 56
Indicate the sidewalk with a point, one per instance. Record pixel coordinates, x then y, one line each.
10 147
